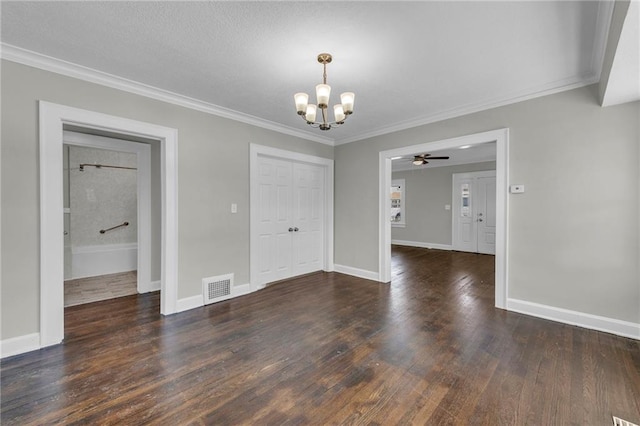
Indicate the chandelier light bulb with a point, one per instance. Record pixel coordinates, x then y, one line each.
338 113
323 91
310 115
302 99
347 99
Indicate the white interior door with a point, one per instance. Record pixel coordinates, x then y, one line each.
308 208
474 212
274 219
290 219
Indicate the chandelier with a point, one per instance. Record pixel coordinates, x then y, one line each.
309 111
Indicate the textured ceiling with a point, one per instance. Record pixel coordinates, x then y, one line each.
408 62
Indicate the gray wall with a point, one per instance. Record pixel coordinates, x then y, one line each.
426 193
102 198
573 236
213 172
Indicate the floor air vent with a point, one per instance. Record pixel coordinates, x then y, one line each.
216 288
620 422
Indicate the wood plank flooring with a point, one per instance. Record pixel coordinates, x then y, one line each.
94 289
328 348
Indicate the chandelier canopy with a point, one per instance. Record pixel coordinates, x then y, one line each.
309 111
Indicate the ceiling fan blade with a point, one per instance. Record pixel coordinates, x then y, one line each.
438 158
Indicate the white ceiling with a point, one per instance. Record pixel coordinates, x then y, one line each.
409 63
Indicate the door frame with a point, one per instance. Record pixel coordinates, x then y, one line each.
501 138
143 196
255 151
455 202
52 119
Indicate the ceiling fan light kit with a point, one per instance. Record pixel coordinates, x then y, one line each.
419 160
308 111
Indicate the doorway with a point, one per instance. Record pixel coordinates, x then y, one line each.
474 212
53 120
108 218
501 138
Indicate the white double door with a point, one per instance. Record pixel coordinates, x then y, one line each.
474 212
290 219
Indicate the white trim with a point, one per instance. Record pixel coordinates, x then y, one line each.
603 26
603 22
580 319
356 272
52 119
19 345
501 137
189 303
153 286
58 66
548 89
194 302
48 63
422 245
256 150
143 210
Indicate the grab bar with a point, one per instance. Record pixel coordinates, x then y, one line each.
102 231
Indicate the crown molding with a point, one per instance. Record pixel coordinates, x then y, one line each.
69 69
603 22
549 89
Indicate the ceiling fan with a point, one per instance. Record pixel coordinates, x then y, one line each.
419 160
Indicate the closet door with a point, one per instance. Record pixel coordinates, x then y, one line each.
308 218
290 219
275 219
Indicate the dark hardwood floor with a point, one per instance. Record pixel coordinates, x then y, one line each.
327 348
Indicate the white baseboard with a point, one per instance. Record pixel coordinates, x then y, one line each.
198 301
19 345
580 319
356 272
152 286
90 261
189 303
422 245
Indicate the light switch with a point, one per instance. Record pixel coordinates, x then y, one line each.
234 208
447 206
516 189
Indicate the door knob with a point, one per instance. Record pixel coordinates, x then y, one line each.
480 220
296 229
290 229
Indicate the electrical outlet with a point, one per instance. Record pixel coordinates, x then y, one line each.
234 208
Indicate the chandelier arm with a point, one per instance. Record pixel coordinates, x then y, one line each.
318 123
